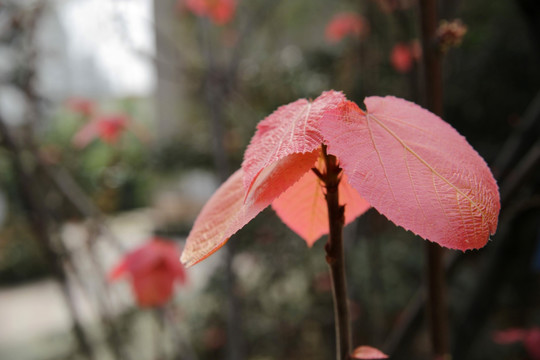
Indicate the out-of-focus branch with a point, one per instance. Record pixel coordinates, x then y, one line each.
38 219
436 287
520 140
253 21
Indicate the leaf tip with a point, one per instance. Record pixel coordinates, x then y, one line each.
365 352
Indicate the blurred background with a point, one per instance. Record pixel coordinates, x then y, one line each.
119 118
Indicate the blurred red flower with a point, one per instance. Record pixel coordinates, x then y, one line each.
529 337
153 269
219 11
81 106
106 127
345 24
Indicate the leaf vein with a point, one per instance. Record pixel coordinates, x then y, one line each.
479 209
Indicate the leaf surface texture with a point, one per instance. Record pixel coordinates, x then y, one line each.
415 169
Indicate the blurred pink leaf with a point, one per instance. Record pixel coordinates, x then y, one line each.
509 336
346 24
415 169
529 337
220 12
106 127
153 268
368 353
81 106
401 58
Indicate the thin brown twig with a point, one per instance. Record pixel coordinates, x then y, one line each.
38 219
335 255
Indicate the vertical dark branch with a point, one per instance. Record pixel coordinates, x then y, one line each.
432 59
37 216
335 256
437 302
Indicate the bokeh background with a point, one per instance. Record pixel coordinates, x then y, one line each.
119 118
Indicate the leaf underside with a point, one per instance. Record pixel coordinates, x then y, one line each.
230 208
415 169
303 206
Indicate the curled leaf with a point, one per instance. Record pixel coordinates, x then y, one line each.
292 128
230 208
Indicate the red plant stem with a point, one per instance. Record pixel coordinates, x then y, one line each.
335 256
432 62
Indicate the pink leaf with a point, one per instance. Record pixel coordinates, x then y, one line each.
111 127
107 127
118 271
153 269
509 336
416 170
532 343
529 337
345 24
290 129
219 11
81 106
303 207
229 209
85 135
402 58
368 353
220 218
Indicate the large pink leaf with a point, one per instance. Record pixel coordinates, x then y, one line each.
292 128
303 206
229 209
416 170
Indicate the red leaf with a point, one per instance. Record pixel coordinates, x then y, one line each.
529 337
401 58
153 269
345 24
219 11
110 127
85 135
220 218
107 127
368 353
532 343
81 106
293 128
416 170
509 336
303 206
229 209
